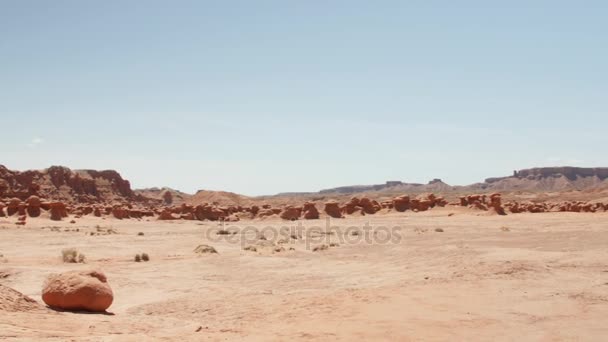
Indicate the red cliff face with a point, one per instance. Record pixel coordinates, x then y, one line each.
61 183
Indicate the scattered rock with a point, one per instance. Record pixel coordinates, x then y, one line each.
250 248
320 248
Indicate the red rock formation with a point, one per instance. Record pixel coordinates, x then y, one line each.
120 213
332 208
496 204
402 203
463 201
78 290
369 206
476 204
265 213
291 213
351 206
13 206
58 211
167 215
62 184
208 212
310 211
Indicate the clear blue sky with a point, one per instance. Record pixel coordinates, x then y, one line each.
260 97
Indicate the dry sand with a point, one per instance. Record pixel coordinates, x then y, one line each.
537 277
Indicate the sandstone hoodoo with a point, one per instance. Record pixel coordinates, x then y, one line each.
332 208
310 211
496 204
13 206
291 213
78 290
401 203
209 212
58 211
166 215
33 206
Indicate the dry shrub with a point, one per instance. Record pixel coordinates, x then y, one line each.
250 248
145 257
71 255
137 258
439 230
140 234
205 249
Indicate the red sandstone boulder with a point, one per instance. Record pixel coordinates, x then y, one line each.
310 211
291 213
369 206
476 204
33 206
401 203
351 206
120 213
332 208
78 290
13 206
167 215
387 204
58 211
463 201
424 204
496 204
441 202
209 212
265 212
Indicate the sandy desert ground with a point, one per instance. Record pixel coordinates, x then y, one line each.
537 277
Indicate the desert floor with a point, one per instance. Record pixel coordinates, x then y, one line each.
538 277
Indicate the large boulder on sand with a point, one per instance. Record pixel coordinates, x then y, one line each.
78 290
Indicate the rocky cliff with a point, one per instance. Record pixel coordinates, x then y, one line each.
61 183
